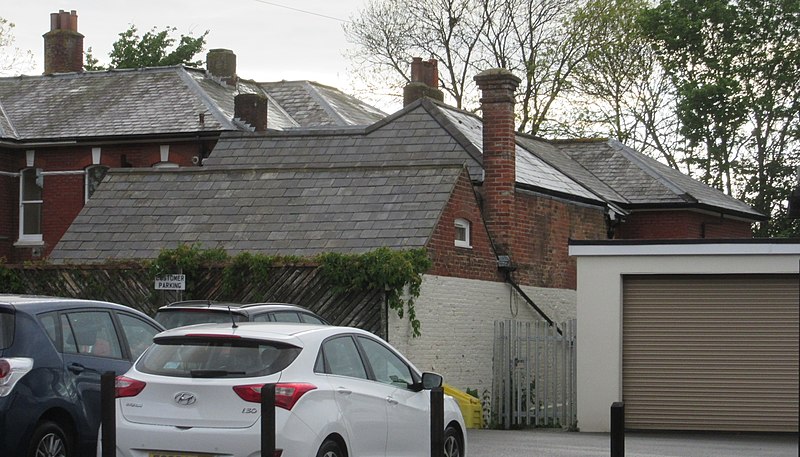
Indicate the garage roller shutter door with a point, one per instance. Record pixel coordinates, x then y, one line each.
711 352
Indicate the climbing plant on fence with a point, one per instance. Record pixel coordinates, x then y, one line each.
346 289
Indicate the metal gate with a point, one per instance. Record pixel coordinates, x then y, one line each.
535 369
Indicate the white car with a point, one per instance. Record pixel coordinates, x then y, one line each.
340 392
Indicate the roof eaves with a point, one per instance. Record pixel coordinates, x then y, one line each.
754 216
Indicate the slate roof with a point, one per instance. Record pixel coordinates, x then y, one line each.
158 101
136 213
642 182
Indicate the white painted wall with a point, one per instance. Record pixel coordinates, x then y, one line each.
600 271
457 317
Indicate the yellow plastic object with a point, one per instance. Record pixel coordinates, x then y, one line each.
470 406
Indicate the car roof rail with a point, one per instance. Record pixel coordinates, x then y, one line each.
250 305
192 302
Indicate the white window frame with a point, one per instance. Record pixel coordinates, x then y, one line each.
465 225
30 238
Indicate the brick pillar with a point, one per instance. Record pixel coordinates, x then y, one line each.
499 159
252 109
424 81
222 64
63 45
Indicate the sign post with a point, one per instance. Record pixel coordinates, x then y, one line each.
171 282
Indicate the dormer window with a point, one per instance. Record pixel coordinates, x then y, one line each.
462 233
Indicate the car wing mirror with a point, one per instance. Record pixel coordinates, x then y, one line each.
431 380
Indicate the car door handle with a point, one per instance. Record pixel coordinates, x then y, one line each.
391 401
76 368
343 391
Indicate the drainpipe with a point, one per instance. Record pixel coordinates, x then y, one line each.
504 265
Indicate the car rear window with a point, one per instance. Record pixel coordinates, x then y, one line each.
6 329
179 317
216 357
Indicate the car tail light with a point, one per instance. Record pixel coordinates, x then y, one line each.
12 370
127 387
286 394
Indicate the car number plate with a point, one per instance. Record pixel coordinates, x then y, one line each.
175 454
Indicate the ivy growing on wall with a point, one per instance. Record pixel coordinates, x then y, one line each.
398 273
393 271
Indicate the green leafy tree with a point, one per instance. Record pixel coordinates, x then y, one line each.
156 48
736 67
13 61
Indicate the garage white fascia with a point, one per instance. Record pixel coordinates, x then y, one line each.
601 268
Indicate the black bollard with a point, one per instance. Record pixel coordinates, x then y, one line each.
618 429
437 422
108 413
267 420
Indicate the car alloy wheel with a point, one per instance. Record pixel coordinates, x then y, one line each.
452 447
330 449
49 440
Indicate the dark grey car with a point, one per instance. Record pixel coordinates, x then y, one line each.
52 353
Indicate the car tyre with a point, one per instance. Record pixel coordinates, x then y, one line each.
330 448
49 440
452 443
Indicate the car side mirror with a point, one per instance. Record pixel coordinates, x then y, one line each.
431 380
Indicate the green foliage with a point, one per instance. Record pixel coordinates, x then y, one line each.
186 259
156 48
383 268
735 65
244 268
10 281
395 272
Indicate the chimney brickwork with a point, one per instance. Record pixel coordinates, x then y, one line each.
499 158
424 81
252 109
221 63
63 45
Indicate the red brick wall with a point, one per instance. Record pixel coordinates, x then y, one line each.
544 227
63 194
681 225
478 262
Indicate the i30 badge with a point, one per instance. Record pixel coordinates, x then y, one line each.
185 398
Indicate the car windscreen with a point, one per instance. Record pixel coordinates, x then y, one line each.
215 357
6 328
171 318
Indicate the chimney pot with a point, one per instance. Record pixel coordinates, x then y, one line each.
221 63
424 81
63 45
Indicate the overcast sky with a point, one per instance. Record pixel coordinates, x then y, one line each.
271 42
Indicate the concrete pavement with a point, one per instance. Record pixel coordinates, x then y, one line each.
556 443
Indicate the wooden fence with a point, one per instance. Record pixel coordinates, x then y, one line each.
133 286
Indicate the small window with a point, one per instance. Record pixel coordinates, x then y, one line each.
387 367
31 183
138 333
462 233
94 175
285 316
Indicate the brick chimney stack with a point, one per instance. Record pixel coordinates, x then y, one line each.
424 81
63 45
252 109
221 63
499 156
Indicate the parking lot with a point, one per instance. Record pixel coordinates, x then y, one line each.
553 443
